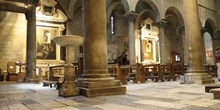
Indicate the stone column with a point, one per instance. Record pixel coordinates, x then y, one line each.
195 72
96 80
163 54
131 36
31 41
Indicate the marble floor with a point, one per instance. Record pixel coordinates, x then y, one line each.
146 96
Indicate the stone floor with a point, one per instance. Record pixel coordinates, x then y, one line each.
147 96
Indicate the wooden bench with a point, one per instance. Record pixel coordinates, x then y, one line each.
178 69
112 69
212 86
123 72
135 74
152 71
51 84
211 70
166 71
216 93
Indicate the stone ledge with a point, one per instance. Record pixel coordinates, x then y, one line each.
92 92
196 78
98 84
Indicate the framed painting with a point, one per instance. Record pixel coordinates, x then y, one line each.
46 47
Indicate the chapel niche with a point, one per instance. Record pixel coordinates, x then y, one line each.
149 42
50 22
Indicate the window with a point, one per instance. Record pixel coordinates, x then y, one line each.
112 25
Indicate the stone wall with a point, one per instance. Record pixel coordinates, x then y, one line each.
13 29
117 41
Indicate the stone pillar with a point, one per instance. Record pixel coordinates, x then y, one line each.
68 87
95 80
195 72
31 41
131 36
163 54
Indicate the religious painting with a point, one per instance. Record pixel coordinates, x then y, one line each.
147 49
46 47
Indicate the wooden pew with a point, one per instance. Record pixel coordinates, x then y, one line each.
178 69
152 71
112 69
216 93
123 72
211 69
166 71
135 74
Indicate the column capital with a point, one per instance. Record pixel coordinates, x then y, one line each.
161 23
130 15
203 30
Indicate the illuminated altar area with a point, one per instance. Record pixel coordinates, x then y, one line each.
148 43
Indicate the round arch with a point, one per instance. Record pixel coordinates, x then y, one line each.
210 26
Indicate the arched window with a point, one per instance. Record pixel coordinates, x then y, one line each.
112 25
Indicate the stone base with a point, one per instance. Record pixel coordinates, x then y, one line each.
196 78
100 87
68 89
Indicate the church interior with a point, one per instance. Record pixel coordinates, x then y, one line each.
110 54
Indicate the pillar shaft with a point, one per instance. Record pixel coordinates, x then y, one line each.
31 41
95 51
96 80
194 34
131 36
163 54
195 72
162 41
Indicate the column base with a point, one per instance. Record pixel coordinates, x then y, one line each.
91 87
68 90
196 77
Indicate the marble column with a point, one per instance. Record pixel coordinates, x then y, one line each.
31 41
95 80
162 42
131 36
195 72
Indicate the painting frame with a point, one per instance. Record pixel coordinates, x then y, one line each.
46 47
